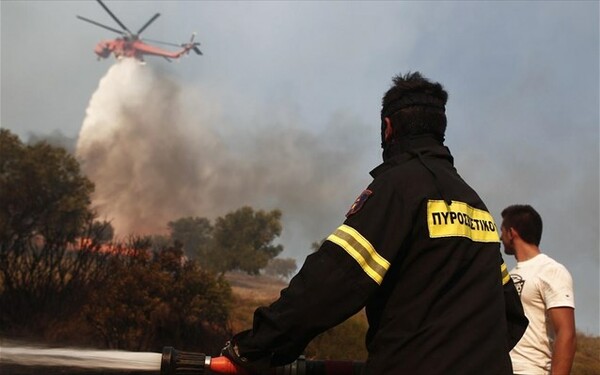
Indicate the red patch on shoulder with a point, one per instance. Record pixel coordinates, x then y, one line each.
359 202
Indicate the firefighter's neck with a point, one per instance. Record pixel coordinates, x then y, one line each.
407 143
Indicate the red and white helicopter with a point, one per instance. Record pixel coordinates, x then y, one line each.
131 45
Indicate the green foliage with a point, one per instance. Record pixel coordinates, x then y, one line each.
281 267
42 193
243 240
194 233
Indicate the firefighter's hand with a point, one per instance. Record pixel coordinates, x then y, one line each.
258 367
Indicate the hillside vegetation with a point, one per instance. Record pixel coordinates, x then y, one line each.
346 341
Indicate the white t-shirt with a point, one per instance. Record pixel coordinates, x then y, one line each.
542 284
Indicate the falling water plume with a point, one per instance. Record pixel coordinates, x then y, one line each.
136 145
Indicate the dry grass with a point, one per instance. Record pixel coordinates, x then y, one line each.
250 292
257 288
587 357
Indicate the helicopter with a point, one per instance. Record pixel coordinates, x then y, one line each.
131 45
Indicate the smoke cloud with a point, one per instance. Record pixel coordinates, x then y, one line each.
155 153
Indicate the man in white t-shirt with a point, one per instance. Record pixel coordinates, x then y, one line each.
546 290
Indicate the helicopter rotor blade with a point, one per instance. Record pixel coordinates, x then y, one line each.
148 23
101 25
114 17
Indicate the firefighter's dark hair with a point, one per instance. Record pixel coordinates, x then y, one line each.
415 106
525 220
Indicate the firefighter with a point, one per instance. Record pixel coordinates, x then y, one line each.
418 248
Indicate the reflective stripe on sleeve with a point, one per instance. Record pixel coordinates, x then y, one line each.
374 265
505 275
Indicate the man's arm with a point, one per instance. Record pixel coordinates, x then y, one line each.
563 320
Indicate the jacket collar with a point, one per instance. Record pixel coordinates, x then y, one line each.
410 148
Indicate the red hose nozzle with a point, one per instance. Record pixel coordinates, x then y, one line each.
222 365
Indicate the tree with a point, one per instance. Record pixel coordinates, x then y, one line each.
43 193
119 310
49 244
195 310
281 267
242 240
195 233
157 299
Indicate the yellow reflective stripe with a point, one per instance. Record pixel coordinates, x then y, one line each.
505 275
374 265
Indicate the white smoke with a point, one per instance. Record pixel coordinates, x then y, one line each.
136 146
152 149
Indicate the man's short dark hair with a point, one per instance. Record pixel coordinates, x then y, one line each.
415 106
525 220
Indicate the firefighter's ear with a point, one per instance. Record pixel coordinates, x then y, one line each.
389 130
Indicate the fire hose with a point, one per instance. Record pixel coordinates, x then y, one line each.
175 362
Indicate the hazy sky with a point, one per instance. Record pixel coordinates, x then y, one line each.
282 110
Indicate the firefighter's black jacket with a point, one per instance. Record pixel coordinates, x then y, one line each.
420 250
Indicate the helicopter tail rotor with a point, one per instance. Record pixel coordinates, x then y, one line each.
192 45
